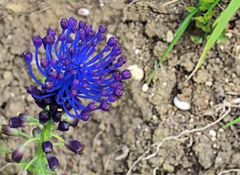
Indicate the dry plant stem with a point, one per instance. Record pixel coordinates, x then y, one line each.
224 113
228 171
170 2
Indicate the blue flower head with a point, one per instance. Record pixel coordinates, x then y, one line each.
79 76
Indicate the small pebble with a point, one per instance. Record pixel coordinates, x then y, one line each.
182 105
169 36
145 87
83 12
7 75
137 72
212 133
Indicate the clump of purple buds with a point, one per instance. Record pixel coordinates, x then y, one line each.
52 162
79 79
7 130
75 146
17 122
17 154
47 147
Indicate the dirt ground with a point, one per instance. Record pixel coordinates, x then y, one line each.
115 140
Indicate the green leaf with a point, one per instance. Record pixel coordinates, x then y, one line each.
196 39
219 26
190 9
237 120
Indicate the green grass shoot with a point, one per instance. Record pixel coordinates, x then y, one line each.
181 29
219 26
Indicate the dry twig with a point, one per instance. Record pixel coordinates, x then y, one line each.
229 171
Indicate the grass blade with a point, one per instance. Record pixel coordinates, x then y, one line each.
235 121
181 29
219 26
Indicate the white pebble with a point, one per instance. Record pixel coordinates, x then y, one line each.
183 105
169 37
212 133
137 72
83 12
145 87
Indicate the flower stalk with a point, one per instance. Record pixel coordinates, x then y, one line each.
41 156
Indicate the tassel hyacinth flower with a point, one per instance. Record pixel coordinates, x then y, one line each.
81 74
80 77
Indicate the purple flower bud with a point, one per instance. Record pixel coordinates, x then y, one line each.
81 34
16 122
112 42
49 84
91 106
64 23
116 75
102 28
74 29
112 98
47 147
44 63
122 60
61 37
48 101
118 92
126 74
81 25
43 117
118 85
37 41
69 39
53 163
63 126
118 51
51 32
105 106
84 115
72 22
17 154
49 39
53 109
36 132
5 129
73 122
60 76
27 56
74 146
57 117
31 89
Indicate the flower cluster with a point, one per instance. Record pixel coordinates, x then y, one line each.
78 79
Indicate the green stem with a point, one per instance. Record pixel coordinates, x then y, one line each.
30 163
30 140
24 134
41 161
58 137
58 144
